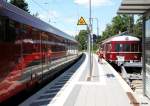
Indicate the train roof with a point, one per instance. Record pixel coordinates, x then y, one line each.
121 37
21 16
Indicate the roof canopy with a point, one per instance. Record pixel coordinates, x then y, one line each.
134 7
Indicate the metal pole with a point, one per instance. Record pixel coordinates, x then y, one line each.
92 43
91 34
92 50
143 59
97 27
90 25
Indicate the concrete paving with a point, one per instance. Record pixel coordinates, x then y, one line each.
102 90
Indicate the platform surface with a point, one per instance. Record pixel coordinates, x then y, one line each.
104 88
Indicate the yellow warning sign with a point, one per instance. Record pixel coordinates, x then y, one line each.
81 21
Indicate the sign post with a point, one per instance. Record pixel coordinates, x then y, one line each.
90 34
82 21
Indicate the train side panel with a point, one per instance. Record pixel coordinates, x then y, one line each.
26 52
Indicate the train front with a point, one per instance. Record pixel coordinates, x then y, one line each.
122 49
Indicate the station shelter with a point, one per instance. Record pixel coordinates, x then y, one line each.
141 7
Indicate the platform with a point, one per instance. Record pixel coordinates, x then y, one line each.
73 88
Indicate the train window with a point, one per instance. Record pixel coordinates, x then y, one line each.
147 34
126 47
108 47
118 47
8 30
134 47
2 28
58 48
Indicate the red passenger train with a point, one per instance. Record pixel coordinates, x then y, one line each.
28 49
122 47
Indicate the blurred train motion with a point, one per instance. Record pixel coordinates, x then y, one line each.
29 50
122 47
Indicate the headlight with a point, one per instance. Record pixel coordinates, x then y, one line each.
135 57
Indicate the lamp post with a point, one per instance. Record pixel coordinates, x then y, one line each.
89 37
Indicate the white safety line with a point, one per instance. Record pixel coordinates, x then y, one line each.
89 83
102 77
94 69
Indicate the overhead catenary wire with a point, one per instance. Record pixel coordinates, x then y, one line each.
51 18
78 16
39 5
46 11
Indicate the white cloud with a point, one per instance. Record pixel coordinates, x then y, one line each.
94 2
70 20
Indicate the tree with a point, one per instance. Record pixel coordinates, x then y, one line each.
36 14
21 4
82 38
120 23
137 29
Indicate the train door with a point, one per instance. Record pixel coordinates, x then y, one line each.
44 54
108 51
67 44
30 48
104 51
9 58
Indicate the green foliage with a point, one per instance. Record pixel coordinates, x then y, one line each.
98 39
21 4
119 24
122 23
137 29
82 38
95 47
36 14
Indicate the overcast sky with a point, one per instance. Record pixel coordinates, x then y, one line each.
64 14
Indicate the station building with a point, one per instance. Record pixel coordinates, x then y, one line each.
141 7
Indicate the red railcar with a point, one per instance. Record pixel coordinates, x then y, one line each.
28 46
122 47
